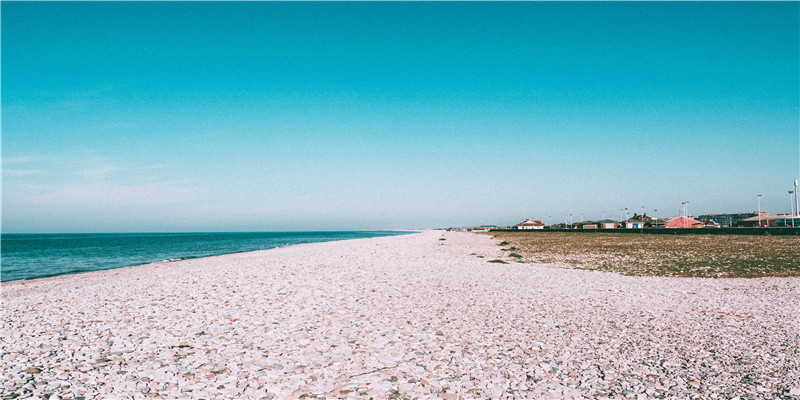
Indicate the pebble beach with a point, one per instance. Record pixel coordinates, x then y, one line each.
421 316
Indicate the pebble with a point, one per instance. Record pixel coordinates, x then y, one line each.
393 318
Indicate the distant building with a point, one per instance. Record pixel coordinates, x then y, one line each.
787 220
765 219
707 223
529 224
727 220
607 224
634 224
683 222
588 225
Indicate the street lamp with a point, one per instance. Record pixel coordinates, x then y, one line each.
796 200
791 206
570 221
759 209
685 210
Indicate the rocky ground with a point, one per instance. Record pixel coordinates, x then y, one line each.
418 316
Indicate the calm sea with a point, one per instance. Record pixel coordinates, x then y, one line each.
26 256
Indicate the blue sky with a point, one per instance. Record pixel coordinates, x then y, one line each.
147 116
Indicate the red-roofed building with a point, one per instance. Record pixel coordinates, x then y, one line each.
683 222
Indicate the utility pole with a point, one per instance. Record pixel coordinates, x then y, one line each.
759 210
685 218
796 201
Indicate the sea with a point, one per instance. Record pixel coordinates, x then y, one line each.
28 256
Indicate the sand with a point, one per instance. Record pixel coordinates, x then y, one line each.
395 317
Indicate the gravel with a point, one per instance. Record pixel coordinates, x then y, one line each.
394 318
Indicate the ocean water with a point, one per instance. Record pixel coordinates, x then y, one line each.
27 256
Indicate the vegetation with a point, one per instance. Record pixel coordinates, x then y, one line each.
722 256
498 261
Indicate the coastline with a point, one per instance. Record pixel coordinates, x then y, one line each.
106 251
392 317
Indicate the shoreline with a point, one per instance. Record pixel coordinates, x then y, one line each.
392 317
189 257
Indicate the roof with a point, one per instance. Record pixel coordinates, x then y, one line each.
530 222
764 217
607 221
687 219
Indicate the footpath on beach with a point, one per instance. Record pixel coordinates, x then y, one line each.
404 317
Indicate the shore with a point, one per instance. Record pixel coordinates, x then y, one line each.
396 317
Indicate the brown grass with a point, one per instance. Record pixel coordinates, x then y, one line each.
723 256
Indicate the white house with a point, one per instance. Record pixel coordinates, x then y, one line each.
634 224
607 224
529 224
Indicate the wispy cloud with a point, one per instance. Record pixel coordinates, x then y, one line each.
19 172
26 159
109 195
99 173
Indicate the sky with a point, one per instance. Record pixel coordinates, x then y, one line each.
262 116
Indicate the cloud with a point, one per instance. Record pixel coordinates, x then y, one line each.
99 173
19 172
98 199
21 160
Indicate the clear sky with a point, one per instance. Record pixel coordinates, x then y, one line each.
147 116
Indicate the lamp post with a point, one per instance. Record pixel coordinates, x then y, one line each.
570 221
549 221
656 216
791 206
685 210
759 210
796 200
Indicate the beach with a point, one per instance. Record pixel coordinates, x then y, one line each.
404 317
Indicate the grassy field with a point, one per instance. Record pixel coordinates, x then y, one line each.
724 256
